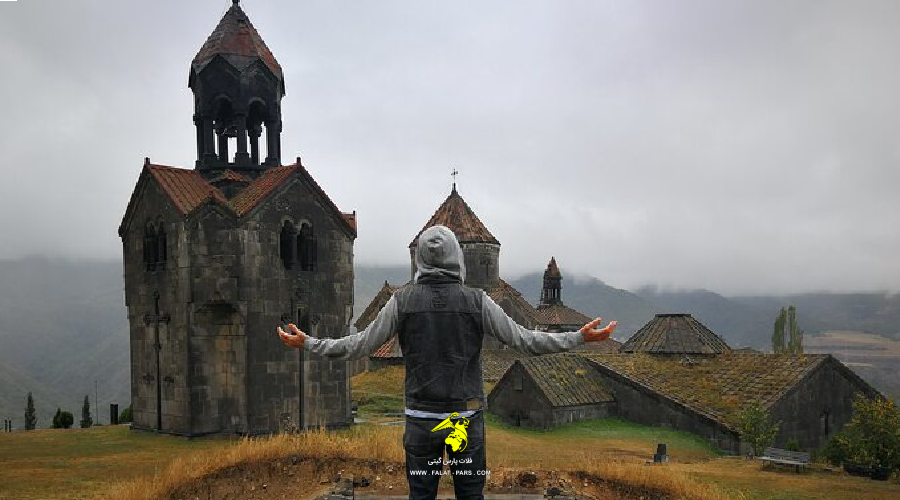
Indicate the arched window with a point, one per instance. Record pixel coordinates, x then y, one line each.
287 250
150 247
162 251
307 248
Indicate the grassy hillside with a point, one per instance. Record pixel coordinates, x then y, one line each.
112 462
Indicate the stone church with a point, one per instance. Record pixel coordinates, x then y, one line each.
216 255
481 254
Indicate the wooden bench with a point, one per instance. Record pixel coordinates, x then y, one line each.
797 459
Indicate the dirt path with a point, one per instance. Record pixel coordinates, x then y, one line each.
300 478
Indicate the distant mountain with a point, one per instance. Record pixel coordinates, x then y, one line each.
741 325
593 298
63 324
877 313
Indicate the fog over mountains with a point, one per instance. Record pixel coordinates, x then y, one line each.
63 324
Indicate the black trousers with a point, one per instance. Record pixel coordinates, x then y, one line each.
423 446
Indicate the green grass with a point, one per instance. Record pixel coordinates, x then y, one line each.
614 429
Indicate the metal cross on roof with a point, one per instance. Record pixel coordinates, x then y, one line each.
454 174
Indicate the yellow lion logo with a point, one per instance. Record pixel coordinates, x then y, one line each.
459 438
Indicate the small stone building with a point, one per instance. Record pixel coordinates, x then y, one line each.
678 374
216 255
810 395
549 390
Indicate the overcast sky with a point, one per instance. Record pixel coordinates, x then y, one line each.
744 147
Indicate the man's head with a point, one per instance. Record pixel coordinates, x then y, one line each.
438 254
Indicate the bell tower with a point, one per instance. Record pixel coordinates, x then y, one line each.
237 86
551 293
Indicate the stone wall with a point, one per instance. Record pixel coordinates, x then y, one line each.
636 404
319 301
482 264
517 400
166 285
571 414
817 407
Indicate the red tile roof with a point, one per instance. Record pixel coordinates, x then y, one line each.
560 315
188 190
513 302
390 349
231 175
259 189
235 35
552 269
456 214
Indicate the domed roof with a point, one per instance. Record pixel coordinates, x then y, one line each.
675 334
237 40
456 214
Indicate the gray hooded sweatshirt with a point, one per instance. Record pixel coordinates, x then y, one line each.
438 255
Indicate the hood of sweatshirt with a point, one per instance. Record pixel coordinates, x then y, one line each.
439 256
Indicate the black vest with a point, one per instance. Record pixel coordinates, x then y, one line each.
440 334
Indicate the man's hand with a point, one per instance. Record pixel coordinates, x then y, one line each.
592 335
294 339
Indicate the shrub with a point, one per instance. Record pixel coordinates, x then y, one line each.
63 419
753 422
871 439
125 415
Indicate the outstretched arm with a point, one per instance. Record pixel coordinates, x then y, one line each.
349 347
500 325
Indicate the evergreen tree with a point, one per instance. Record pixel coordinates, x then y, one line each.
86 420
30 416
795 345
778 333
56 421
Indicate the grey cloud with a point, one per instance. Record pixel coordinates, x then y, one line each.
743 147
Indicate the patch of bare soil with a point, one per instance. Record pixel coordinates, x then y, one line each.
307 478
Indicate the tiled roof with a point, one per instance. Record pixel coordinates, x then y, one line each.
390 349
455 213
716 387
508 297
559 314
495 362
260 188
236 36
608 346
374 307
188 190
567 379
675 334
552 269
230 175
